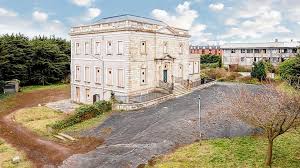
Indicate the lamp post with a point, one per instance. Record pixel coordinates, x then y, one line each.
199 112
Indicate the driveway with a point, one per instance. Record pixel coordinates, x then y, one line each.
133 138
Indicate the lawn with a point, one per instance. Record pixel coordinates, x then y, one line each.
37 119
7 152
242 152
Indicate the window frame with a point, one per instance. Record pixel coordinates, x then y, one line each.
100 77
77 73
89 74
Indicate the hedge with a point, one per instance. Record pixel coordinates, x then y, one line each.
83 113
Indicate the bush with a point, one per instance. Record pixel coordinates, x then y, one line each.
83 113
2 83
209 65
243 69
290 68
212 61
216 73
259 71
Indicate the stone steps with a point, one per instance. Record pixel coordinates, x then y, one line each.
180 90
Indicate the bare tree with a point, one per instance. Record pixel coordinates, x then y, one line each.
274 111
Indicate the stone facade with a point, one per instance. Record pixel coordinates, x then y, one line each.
245 54
128 55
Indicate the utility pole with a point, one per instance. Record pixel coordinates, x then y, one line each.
199 110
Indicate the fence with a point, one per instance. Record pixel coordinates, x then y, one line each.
294 81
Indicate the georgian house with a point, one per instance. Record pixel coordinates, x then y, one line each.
128 55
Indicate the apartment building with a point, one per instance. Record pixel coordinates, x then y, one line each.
206 50
245 54
128 55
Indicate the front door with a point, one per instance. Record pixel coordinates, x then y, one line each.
165 76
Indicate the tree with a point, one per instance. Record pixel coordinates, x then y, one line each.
290 68
259 71
274 111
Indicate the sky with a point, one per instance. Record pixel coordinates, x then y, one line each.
208 21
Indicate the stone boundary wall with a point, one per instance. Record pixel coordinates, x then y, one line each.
136 106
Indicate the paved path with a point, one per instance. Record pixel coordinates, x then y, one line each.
133 138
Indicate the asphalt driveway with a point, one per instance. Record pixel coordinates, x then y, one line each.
133 138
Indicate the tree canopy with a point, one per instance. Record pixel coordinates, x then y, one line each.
40 60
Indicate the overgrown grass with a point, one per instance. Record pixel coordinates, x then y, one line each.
7 152
27 89
37 119
242 152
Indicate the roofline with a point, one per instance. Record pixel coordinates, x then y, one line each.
95 23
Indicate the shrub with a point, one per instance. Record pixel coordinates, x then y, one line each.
243 69
209 65
216 73
290 68
2 83
83 113
259 71
207 59
269 67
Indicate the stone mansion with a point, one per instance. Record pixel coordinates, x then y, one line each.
128 55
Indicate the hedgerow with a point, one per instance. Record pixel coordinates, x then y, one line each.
83 113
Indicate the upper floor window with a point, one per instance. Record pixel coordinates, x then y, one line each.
232 50
256 50
285 50
180 48
97 75
87 74
109 47
294 50
120 47
143 47
243 51
264 51
86 48
97 48
77 73
165 48
249 50
77 48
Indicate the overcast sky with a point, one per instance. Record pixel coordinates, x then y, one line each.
208 21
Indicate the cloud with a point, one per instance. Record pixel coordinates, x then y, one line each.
216 7
92 13
85 3
183 18
231 22
40 16
254 21
8 13
38 25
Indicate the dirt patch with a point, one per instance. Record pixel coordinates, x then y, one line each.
40 151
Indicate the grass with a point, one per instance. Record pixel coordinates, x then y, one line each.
7 152
241 152
37 119
27 89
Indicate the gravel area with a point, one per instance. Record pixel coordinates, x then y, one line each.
65 106
133 138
